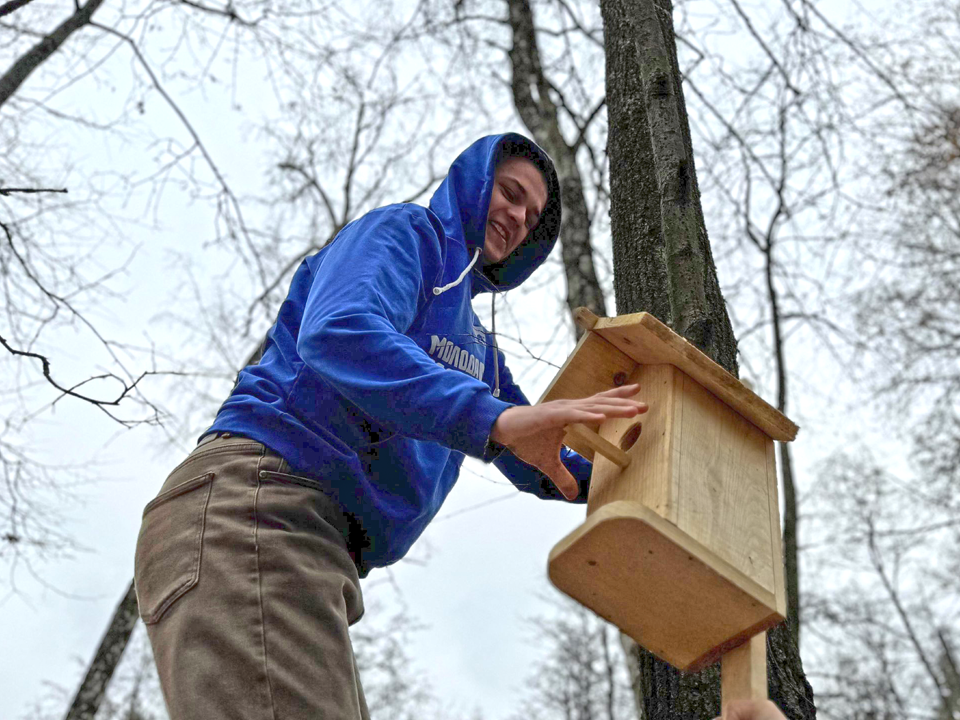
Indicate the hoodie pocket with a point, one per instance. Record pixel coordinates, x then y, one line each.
169 548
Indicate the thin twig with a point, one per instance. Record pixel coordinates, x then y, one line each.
9 191
894 596
763 45
196 138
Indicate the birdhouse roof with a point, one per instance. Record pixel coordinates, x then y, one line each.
616 345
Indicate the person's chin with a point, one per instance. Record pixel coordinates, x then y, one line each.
492 253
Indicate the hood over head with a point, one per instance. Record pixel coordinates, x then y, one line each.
463 199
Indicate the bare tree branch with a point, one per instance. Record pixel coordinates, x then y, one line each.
894 596
228 12
13 78
93 687
766 49
12 6
10 191
196 138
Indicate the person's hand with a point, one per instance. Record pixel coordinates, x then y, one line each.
751 710
534 433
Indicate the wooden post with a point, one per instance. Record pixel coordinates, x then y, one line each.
743 671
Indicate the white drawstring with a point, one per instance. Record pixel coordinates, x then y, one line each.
496 350
443 289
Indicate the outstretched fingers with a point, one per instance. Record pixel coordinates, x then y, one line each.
535 433
617 402
578 415
622 391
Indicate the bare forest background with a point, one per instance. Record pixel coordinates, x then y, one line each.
166 165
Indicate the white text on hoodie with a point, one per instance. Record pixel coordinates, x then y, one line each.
456 357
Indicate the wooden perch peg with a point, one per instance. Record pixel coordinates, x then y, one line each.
597 444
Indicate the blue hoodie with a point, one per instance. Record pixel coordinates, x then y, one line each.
378 377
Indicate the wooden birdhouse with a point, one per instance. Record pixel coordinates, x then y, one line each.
681 545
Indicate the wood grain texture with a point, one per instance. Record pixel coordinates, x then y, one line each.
723 500
592 367
743 671
578 433
652 477
662 588
585 318
650 342
776 541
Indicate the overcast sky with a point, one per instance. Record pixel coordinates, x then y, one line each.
478 573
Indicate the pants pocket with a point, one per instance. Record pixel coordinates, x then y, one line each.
169 548
325 507
282 477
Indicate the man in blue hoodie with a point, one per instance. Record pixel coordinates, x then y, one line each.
334 452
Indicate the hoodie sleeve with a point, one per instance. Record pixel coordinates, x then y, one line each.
374 280
528 478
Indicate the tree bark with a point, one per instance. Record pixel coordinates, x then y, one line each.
659 234
13 78
663 265
90 694
540 115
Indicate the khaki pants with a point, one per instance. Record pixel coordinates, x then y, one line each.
247 590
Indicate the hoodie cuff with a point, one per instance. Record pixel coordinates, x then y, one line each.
472 434
492 451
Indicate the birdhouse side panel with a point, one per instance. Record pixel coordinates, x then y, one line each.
594 366
724 492
776 529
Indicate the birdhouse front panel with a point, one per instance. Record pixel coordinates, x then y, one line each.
652 477
594 366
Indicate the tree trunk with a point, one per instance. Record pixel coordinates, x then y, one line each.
662 258
791 518
663 265
90 694
540 115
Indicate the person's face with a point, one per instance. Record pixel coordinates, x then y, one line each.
519 197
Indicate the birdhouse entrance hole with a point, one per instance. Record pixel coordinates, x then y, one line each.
631 436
